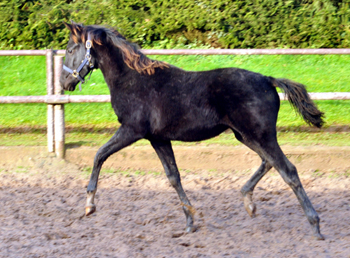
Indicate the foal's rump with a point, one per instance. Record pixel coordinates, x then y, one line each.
248 102
255 93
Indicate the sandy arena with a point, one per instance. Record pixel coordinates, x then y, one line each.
139 214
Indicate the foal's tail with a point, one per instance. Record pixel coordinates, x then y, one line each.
301 101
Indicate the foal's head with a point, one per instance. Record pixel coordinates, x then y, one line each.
79 59
79 62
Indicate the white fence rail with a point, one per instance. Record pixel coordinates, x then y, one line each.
65 99
55 99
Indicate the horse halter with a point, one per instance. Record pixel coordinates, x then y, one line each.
86 61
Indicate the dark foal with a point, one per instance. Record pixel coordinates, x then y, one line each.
159 102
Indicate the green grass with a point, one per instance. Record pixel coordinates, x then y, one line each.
24 76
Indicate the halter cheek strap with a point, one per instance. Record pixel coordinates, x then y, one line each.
86 61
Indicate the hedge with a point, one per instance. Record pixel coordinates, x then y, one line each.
182 23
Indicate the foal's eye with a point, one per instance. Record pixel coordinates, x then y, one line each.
70 51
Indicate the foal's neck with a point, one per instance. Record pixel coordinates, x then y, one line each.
111 63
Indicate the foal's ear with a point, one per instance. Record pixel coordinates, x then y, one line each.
74 28
68 26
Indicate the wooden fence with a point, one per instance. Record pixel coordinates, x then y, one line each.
55 99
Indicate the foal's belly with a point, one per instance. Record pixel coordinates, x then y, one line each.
195 134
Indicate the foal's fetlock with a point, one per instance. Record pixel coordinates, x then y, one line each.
249 205
190 227
316 228
317 233
189 212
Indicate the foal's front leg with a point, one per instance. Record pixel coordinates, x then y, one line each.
122 138
166 156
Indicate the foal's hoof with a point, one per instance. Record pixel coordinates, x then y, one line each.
318 236
190 229
90 209
249 206
251 209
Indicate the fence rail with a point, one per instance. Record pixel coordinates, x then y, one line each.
65 99
55 99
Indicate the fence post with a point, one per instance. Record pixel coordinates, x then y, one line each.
50 108
59 111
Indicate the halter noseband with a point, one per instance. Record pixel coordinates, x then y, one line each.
86 61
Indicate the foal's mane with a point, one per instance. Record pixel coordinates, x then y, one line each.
132 56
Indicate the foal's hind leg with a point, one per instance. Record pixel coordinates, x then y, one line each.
274 155
290 175
248 188
166 156
265 144
122 138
